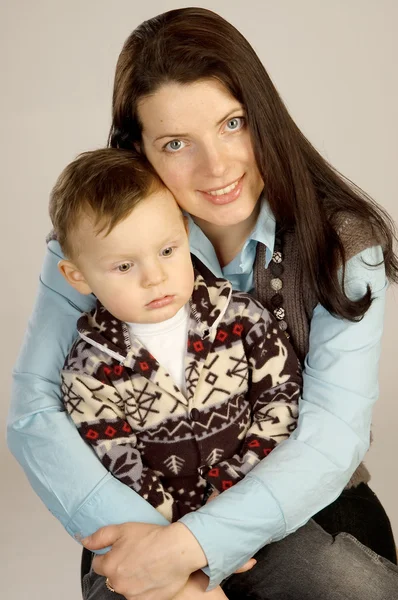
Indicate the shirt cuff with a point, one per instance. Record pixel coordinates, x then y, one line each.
227 541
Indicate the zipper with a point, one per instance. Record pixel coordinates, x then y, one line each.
206 331
126 337
114 355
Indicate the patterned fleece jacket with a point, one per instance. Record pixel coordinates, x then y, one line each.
243 382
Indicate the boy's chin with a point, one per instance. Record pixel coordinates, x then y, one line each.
155 315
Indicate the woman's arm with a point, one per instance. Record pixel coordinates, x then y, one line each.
309 470
40 434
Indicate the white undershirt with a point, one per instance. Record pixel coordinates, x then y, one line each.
167 342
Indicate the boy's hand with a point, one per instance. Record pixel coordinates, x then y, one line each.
213 495
252 561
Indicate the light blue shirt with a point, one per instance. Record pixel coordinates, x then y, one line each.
240 270
300 477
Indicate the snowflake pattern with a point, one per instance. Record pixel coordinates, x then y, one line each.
242 388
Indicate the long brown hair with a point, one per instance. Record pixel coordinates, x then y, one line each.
303 190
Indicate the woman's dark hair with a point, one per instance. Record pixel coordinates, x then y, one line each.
303 190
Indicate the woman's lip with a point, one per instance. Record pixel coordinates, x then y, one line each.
160 302
221 187
225 198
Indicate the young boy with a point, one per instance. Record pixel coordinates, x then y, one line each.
180 384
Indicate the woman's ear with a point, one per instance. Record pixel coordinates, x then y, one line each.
74 276
186 224
138 147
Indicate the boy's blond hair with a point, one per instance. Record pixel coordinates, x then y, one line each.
104 185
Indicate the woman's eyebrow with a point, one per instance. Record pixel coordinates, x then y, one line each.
170 135
231 112
177 135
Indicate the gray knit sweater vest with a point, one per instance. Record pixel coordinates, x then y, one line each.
299 298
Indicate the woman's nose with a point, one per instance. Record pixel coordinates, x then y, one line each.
215 159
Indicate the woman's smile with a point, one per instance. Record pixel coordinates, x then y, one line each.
226 194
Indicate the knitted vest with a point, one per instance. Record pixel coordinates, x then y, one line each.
299 298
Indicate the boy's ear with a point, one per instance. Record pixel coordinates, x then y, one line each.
73 276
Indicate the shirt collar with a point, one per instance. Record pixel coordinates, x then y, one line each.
263 231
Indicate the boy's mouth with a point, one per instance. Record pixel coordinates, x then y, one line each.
160 302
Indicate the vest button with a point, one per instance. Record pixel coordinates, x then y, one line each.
194 414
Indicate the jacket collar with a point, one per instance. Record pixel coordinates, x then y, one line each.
208 305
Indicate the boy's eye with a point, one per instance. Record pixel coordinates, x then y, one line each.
123 268
167 252
235 123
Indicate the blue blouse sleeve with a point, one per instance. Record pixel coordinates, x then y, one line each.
61 468
309 470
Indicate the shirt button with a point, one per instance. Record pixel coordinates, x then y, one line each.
194 414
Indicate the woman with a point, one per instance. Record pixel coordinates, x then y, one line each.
271 215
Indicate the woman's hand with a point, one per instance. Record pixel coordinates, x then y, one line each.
149 562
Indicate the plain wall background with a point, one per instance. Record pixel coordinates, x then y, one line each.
335 64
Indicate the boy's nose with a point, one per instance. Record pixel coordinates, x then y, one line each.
153 275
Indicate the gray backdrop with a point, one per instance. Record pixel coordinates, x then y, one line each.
335 64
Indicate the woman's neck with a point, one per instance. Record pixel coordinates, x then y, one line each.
228 241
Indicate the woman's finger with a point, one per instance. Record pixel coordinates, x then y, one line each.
106 536
98 564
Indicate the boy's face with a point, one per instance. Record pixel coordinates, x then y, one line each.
142 270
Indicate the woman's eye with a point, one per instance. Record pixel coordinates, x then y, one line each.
235 123
124 267
167 252
174 145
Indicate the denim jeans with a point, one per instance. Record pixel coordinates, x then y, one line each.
94 588
313 564
358 511
310 564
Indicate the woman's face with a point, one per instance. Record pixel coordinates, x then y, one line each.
196 138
